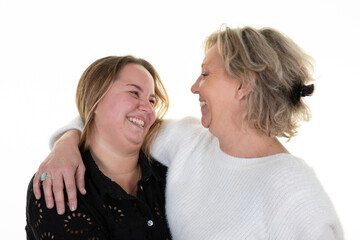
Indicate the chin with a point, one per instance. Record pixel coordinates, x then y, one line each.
137 140
205 123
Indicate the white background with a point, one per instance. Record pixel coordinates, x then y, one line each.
46 45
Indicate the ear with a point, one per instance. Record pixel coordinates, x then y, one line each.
244 88
243 91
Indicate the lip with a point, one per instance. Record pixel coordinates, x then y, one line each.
203 108
202 102
136 118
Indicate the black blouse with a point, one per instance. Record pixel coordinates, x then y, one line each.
106 211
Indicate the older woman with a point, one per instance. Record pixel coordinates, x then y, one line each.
116 98
233 179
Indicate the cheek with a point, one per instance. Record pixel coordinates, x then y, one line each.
118 109
152 117
208 90
125 104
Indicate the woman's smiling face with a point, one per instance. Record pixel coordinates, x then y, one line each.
217 91
126 113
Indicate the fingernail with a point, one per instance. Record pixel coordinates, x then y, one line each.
60 210
83 191
37 196
72 207
49 205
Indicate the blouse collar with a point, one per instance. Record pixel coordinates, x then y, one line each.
106 186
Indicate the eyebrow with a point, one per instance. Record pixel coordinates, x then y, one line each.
139 88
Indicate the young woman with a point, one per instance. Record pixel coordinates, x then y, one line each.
116 98
233 179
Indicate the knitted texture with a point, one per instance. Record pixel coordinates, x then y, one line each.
211 195
75 123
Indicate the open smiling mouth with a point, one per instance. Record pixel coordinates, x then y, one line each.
137 121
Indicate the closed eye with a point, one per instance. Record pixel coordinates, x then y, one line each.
135 93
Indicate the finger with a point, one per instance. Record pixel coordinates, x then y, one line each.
37 184
58 189
80 178
69 180
48 193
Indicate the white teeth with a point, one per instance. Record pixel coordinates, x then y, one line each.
202 104
137 121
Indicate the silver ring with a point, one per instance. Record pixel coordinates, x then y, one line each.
45 176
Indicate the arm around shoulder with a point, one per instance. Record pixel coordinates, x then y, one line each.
172 136
75 124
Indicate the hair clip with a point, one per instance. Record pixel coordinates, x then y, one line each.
306 90
301 91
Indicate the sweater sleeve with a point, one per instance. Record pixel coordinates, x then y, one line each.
329 234
306 212
173 137
76 123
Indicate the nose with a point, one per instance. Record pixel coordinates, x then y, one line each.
146 106
195 86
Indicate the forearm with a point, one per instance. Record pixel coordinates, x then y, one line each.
75 124
173 136
70 137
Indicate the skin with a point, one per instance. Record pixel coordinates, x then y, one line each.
122 120
130 97
223 100
216 89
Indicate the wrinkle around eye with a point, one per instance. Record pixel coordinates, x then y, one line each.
136 93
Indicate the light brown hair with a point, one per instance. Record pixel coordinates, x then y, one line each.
278 71
97 80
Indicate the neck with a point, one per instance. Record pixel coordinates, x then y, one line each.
120 166
247 142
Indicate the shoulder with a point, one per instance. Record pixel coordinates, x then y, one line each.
289 182
297 186
293 168
298 199
40 220
187 127
158 169
292 173
184 123
37 214
177 138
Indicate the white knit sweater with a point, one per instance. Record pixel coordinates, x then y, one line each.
211 195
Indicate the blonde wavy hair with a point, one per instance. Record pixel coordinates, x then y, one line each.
278 71
96 81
